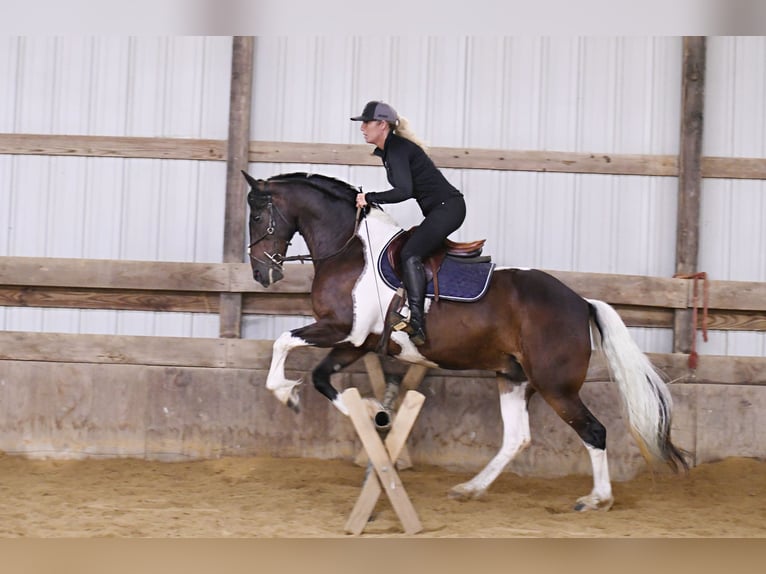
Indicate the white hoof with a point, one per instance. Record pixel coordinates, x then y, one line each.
465 492
593 502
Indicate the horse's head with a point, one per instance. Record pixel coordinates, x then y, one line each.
270 233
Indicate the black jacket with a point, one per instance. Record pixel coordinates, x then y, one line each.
412 174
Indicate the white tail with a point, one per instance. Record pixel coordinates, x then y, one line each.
645 394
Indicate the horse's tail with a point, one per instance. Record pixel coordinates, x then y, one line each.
645 394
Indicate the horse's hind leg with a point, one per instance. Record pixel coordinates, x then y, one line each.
516 436
573 411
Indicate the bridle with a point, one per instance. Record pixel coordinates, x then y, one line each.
275 259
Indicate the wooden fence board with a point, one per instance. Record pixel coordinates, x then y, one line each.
113 146
113 349
110 299
360 154
145 275
735 295
730 321
256 354
627 289
107 273
194 288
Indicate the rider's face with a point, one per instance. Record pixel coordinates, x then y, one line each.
375 132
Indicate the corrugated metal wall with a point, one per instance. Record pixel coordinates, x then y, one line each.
604 95
618 95
732 234
113 208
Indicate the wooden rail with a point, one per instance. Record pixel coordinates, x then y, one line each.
196 287
360 154
256 355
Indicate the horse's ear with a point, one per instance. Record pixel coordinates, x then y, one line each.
250 180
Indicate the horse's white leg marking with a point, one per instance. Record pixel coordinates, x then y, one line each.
340 405
409 352
600 497
516 436
283 388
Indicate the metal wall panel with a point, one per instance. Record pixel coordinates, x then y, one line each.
104 207
602 95
732 235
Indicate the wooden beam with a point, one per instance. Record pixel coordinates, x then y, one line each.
383 460
359 154
109 299
114 273
195 287
256 354
733 168
237 150
113 147
689 177
627 289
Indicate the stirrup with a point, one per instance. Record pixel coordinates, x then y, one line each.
400 322
418 338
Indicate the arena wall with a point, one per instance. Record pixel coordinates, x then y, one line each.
56 409
117 299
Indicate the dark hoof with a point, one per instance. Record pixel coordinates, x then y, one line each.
294 406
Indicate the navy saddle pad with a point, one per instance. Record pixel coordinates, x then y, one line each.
458 280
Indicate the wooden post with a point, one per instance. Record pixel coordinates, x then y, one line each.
237 151
410 382
689 177
382 457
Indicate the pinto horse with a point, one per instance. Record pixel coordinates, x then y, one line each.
530 328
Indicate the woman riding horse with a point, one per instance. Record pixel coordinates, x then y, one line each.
413 175
531 329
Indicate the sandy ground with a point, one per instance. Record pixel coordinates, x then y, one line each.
285 498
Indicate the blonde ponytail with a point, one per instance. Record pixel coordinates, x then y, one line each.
404 130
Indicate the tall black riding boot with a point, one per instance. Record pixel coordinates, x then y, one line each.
414 278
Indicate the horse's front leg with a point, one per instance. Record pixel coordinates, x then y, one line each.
283 388
338 359
319 334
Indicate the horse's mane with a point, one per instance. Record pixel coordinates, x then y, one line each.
329 185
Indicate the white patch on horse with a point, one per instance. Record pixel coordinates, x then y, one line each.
410 353
371 295
282 387
600 497
516 437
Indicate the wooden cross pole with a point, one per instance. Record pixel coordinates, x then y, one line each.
382 457
411 380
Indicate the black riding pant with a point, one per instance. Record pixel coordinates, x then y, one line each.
434 229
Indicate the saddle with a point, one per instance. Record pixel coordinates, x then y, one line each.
468 274
465 251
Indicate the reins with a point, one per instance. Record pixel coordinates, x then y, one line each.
304 258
